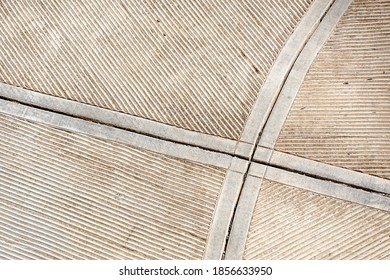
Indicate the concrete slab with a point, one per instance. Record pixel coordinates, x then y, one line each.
340 113
269 92
323 170
132 133
284 215
291 223
120 120
66 194
197 66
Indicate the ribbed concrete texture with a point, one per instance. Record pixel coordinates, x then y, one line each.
291 223
191 64
341 115
69 196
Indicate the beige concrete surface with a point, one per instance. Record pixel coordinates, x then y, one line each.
286 215
341 115
66 195
195 129
193 65
291 223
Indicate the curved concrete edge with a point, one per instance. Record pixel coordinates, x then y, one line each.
280 70
252 186
298 72
223 215
322 170
243 217
110 133
328 188
230 190
117 119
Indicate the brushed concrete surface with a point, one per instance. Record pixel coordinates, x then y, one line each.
222 128
70 195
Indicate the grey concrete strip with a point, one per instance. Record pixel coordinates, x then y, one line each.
223 215
257 170
323 170
244 149
330 172
242 219
291 223
115 134
298 72
328 188
341 115
288 55
231 187
199 67
263 155
67 195
122 120
239 165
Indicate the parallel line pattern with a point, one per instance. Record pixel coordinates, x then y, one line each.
292 223
68 196
341 115
197 65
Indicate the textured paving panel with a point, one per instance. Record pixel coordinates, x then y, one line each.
65 195
341 115
192 64
291 223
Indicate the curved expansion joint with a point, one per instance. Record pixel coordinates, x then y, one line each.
208 100
146 186
281 68
220 132
298 72
329 120
285 215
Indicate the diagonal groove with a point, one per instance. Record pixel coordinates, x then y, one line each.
250 159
